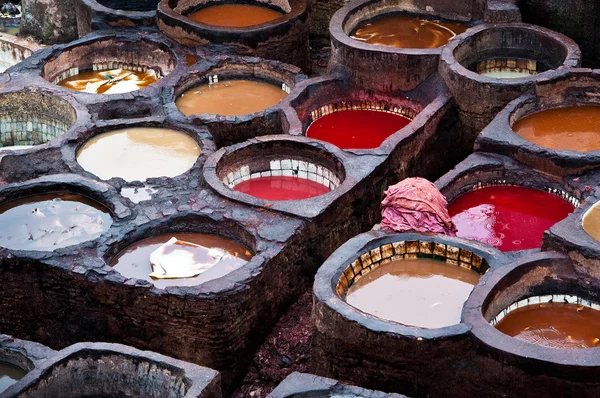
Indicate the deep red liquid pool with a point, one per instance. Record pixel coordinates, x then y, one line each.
281 188
508 218
356 129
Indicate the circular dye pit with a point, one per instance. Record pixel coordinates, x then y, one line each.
282 188
113 81
424 292
507 217
9 375
235 15
230 98
356 129
553 324
52 221
30 118
406 32
570 128
134 261
139 153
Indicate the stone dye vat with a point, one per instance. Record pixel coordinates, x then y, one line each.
345 336
398 65
115 73
308 385
325 103
282 162
105 14
18 357
539 281
554 128
237 98
284 38
138 153
138 149
111 370
33 117
506 48
496 200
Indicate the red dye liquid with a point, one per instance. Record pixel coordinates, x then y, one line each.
281 188
357 129
509 218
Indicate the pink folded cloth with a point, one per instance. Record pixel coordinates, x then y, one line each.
415 204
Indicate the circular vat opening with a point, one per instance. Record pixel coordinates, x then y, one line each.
359 124
281 170
508 216
136 153
546 304
135 5
184 252
233 90
104 373
13 367
414 283
110 65
507 52
33 118
50 221
389 25
560 127
225 14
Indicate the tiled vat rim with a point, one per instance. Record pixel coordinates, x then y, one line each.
212 79
555 191
389 252
507 64
29 129
105 66
363 105
553 298
288 168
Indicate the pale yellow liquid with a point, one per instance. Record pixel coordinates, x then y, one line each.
136 154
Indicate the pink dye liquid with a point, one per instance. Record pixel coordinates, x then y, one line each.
357 129
509 218
281 188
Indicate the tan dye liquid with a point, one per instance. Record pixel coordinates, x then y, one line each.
139 153
424 292
235 15
555 325
570 128
230 97
407 32
134 261
591 222
114 81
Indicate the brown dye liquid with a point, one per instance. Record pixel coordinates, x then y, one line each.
109 81
230 97
423 292
52 221
555 325
571 128
134 261
9 375
591 222
235 15
407 32
139 153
